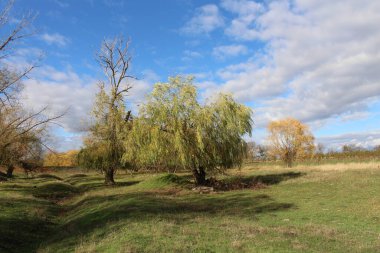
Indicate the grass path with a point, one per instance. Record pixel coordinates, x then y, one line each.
307 210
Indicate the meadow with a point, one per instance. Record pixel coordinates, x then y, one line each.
308 208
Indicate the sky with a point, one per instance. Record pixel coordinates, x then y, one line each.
314 60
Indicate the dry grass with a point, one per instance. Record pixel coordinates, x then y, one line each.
322 167
341 166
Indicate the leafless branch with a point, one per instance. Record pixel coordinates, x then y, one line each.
115 60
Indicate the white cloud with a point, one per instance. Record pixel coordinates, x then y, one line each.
359 139
222 52
67 91
61 91
55 39
64 141
320 60
249 82
206 19
247 12
141 88
189 55
242 7
201 75
208 90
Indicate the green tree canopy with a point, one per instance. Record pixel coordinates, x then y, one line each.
174 130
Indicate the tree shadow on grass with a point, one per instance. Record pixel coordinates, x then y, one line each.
22 235
24 223
15 187
119 210
24 231
95 184
54 187
257 181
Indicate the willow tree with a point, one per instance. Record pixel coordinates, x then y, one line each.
174 130
104 147
289 139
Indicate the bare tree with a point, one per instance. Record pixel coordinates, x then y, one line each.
105 146
10 79
20 131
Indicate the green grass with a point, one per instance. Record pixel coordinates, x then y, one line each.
301 210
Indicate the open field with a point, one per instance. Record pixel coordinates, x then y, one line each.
328 208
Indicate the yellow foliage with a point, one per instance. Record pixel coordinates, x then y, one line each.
289 140
65 159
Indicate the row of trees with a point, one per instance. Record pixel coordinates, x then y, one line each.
171 130
289 140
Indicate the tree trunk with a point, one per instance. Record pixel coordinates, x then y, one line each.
200 176
289 162
10 170
108 177
288 159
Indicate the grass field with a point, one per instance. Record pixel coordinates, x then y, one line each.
327 208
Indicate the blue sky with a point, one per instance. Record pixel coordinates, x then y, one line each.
283 58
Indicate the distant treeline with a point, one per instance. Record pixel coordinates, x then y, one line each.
63 159
260 153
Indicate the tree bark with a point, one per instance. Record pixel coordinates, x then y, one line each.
200 176
10 170
288 159
108 177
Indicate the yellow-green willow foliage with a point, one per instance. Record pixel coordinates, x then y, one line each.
174 130
289 140
104 147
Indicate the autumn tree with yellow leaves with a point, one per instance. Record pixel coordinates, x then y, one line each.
289 140
64 159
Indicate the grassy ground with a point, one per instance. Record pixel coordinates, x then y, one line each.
329 208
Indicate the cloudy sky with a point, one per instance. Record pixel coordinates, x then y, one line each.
315 60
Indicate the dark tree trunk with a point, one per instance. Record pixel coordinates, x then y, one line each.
288 159
200 176
10 170
108 177
289 163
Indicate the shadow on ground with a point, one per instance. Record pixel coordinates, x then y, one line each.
31 221
24 223
118 210
252 182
